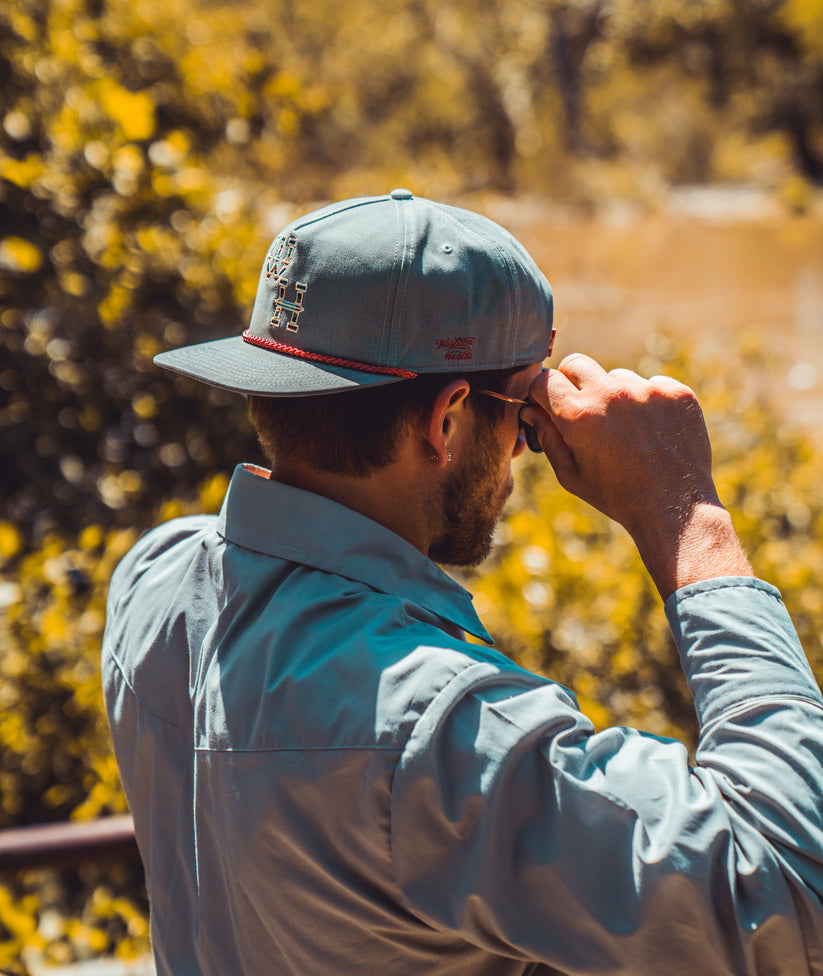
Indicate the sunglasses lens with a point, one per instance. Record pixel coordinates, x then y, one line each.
531 437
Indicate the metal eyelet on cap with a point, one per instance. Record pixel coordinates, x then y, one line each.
446 248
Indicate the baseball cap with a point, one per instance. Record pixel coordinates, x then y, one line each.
377 290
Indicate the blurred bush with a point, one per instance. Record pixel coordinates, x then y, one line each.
149 150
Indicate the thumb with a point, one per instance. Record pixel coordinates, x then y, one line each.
557 451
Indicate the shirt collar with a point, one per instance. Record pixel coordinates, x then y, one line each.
290 523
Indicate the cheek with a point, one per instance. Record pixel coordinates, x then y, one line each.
520 444
515 443
505 482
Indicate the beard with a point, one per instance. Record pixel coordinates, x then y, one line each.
471 503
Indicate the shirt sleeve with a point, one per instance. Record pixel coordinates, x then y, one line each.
517 826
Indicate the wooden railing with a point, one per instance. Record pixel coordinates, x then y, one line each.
111 838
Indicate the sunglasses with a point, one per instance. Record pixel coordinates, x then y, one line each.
528 431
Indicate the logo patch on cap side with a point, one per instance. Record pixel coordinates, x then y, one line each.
456 347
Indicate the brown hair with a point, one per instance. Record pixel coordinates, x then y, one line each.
356 431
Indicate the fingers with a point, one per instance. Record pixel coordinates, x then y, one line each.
670 386
539 417
574 372
624 443
550 387
581 370
581 384
580 387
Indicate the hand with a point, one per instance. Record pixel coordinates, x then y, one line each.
629 446
638 450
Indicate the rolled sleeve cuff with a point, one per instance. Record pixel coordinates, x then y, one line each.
737 643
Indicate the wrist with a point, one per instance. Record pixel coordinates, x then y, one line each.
704 545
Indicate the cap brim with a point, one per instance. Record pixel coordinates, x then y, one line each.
233 364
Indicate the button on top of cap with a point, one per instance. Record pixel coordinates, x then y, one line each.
401 194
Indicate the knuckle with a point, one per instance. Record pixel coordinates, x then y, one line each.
671 387
571 358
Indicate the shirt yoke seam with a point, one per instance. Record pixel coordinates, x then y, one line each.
138 697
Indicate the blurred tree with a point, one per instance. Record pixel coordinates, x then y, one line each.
759 64
574 27
142 144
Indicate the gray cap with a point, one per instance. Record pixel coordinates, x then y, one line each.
377 290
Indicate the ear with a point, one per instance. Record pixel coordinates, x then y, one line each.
440 423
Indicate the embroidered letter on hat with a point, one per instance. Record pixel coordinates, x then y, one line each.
276 266
277 262
295 307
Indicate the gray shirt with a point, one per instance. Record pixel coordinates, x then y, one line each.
327 778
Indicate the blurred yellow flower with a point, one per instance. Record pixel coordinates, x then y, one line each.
19 255
11 541
132 111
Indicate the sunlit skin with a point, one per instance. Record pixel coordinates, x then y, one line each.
437 461
479 482
637 450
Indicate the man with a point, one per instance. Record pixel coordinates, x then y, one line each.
325 776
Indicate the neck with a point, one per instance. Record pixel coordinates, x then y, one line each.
390 495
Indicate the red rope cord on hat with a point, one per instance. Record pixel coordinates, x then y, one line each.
331 360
